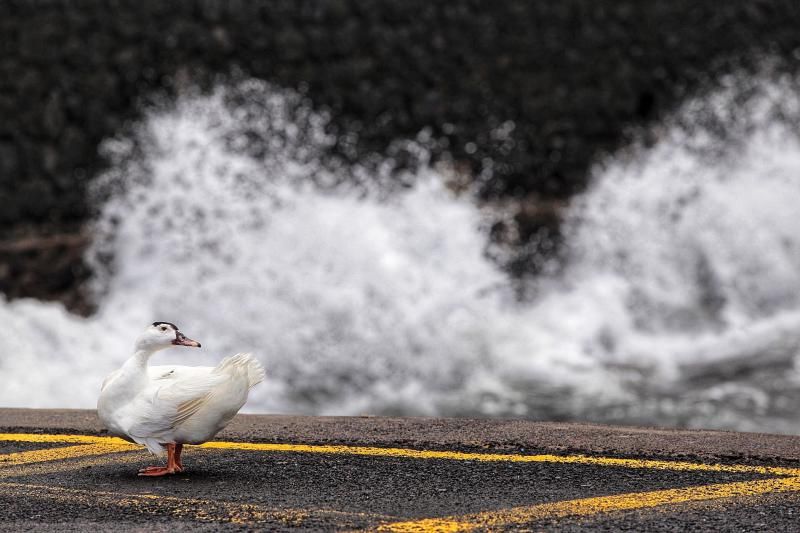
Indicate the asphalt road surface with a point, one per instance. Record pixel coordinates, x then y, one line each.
58 471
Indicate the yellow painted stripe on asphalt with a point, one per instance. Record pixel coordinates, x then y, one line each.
71 439
84 446
408 453
55 454
584 507
512 458
95 446
117 457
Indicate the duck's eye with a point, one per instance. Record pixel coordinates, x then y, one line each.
163 328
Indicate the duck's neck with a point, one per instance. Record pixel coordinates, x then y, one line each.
137 363
130 381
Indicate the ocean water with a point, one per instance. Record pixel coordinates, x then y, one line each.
675 300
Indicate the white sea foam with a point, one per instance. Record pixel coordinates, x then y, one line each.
681 277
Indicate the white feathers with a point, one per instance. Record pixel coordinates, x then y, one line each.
243 362
157 405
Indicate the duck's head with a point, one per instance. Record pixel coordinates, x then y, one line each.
162 335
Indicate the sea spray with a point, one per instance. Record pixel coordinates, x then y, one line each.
223 213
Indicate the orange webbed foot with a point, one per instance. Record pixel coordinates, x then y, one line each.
173 463
155 471
178 468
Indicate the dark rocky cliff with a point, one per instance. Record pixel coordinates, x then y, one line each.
572 75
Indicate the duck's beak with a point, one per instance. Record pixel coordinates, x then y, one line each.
183 340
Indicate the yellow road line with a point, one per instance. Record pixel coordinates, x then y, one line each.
87 451
408 453
512 458
519 516
70 439
54 467
55 454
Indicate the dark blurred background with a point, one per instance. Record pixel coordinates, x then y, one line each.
576 78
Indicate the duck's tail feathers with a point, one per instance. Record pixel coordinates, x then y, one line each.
243 362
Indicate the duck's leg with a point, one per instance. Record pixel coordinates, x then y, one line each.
171 468
178 463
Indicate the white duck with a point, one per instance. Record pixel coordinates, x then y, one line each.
169 406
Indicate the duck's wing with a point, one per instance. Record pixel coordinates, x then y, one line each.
177 393
166 374
174 395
